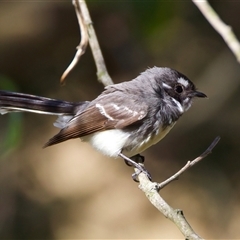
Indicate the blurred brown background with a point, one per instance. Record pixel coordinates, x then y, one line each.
71 191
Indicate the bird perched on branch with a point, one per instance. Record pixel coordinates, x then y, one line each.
124 120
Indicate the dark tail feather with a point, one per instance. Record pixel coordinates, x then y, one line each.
17 102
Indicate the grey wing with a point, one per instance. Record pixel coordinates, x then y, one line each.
122 112
108 112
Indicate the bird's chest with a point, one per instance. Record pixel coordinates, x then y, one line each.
152 138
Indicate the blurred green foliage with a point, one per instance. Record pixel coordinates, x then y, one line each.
11 133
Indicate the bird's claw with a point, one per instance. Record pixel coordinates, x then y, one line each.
143 170
136 162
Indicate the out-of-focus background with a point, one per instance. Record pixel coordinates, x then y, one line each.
70 190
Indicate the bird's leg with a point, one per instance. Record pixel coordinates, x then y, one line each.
136 161
136 158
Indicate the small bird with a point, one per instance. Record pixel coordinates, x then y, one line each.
124 120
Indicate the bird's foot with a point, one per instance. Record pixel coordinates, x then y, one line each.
136 161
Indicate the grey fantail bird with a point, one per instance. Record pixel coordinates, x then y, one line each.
124 120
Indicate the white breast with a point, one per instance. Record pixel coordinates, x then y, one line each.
109 142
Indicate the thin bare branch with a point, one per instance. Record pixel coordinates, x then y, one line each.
102 73
189 164
224 30
151 190
81 48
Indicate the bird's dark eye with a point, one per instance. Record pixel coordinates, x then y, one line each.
179 88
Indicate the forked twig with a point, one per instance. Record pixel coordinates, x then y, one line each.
88 35
151 190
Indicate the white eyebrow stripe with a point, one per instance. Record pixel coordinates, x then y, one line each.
103 112
166 86
183 81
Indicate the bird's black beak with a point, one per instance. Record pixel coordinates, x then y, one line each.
199 94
